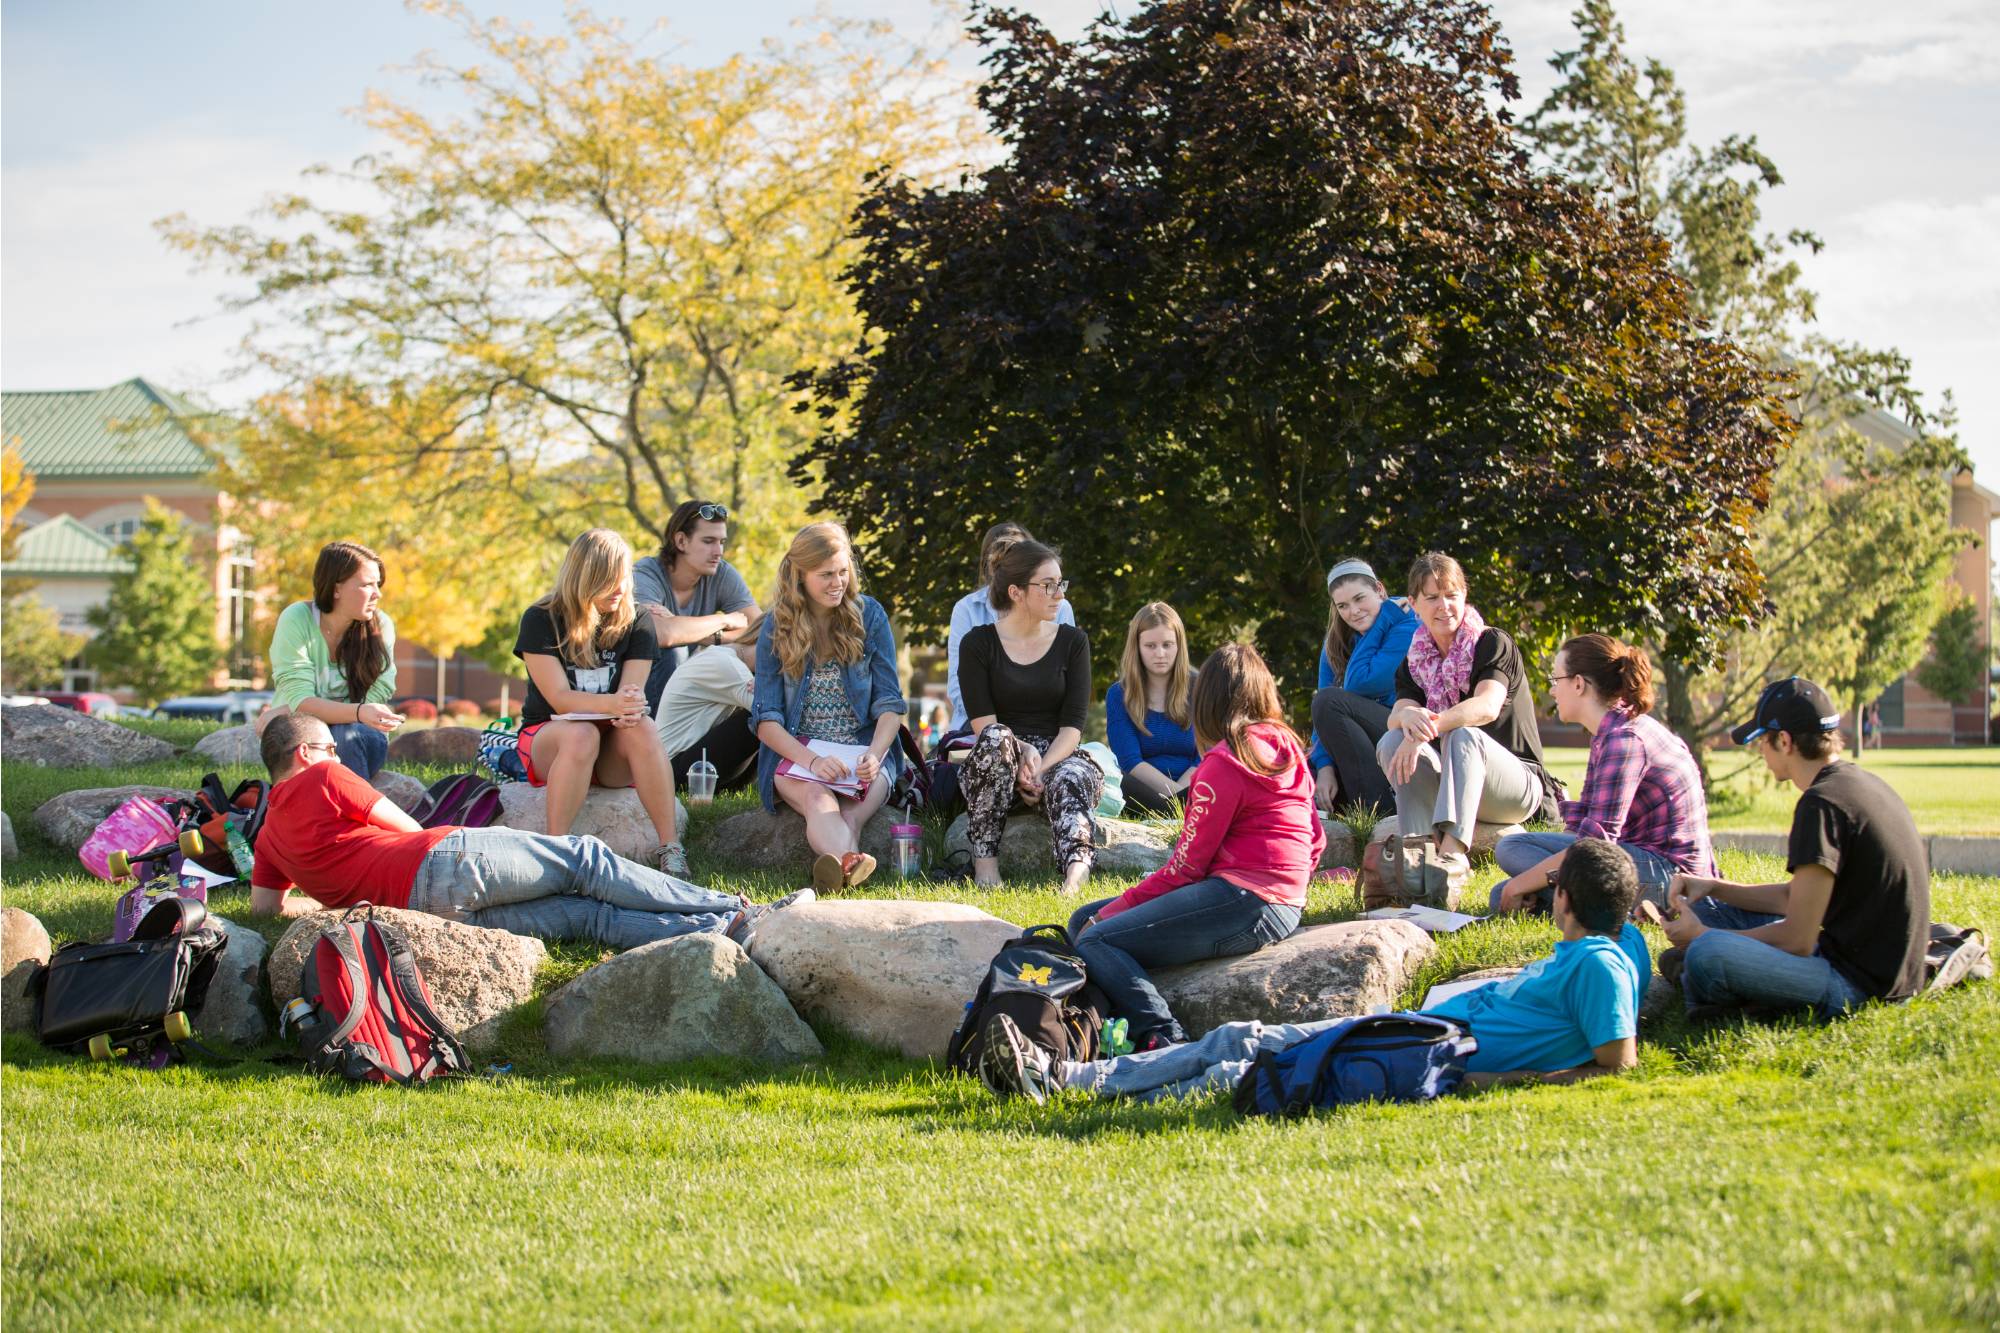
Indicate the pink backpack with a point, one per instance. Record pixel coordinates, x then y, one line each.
138 825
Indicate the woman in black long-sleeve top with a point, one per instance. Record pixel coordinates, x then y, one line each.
1026 683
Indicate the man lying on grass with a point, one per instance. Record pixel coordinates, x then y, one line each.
1571 1015
1852 922
333 836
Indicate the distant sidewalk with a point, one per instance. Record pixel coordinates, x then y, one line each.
1949 855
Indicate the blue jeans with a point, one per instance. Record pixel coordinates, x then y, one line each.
1210 918
1726 968
567 888
1217 1062
360 747
1518 852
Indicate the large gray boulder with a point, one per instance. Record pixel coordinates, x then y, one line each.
455 746
762 840
24 951
476 976
1330 971
231 746
1128 848
67 820
678 999
9 848
613 814
895 974
233 1009
401 788
51 737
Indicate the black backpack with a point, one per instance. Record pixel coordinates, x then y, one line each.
131 998
463 800
1040 982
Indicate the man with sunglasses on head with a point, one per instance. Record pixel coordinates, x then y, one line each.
336 839
698 600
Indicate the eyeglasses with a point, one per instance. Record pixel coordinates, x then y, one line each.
328 746
712 513
1554 679
1053 587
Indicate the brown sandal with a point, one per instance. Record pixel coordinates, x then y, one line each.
855 868
826 873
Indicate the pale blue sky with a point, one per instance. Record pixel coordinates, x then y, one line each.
115 112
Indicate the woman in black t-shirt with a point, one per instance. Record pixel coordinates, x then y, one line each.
587 651
1462 747
1026 684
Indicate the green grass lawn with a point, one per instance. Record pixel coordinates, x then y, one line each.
1846 1176
1950 791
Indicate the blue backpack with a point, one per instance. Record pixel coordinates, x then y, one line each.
1374 1058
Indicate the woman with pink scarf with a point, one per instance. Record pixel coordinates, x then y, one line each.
1462 747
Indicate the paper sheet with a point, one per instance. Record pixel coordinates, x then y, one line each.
1444 990
846 754
1433 919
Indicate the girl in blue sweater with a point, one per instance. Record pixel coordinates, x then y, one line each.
1367 637
1146 714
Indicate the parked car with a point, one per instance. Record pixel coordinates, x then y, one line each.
21 700
89 701
228 709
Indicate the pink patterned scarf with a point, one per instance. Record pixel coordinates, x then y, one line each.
1445 676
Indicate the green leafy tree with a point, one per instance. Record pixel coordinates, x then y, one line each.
1257 283
156 630
33 646
1857 536
597 268
1957 664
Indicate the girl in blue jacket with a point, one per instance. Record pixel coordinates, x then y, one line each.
1367 637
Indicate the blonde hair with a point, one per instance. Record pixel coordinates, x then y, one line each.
799 631
1132 671
596 562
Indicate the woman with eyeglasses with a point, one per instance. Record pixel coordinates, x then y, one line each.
1367 637
695 599
1026 682
826 671
1641 787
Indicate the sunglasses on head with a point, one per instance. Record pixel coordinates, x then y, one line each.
712 513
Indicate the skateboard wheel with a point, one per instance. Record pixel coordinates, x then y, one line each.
177 1026
191 843
100 1046
119 864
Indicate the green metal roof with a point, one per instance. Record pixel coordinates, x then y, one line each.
64 546
127 430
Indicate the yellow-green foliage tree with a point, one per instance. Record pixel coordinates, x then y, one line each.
601 266
397 470
33 646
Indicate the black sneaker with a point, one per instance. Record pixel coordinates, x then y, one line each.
1012 1066
1669 963
1968 959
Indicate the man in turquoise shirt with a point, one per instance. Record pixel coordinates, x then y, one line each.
1569 1016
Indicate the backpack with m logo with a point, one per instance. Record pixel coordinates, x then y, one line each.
1373 1058
1038 981
364 1013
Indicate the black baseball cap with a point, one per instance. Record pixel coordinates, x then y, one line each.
1793 704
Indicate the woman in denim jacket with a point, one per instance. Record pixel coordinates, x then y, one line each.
826 670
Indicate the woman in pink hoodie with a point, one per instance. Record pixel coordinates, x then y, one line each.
1248 847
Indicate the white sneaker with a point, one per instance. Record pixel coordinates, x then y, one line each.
670 858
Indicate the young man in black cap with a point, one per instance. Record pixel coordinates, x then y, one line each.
1850 924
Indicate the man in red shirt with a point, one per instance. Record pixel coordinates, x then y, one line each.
331 835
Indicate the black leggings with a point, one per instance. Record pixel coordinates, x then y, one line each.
731 747
1145 795
1350 726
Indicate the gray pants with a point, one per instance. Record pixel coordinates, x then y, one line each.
1475 780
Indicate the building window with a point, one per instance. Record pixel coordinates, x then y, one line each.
240 600
122 530
1891 704
78 677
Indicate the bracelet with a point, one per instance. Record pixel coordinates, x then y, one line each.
357 712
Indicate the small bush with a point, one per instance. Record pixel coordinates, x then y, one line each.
461 708
420 710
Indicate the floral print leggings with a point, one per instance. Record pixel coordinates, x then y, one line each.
1070 792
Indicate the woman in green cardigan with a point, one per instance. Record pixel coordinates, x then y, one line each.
334 658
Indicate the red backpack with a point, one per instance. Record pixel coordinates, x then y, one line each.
364 1012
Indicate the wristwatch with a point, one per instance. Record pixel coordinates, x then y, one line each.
715 639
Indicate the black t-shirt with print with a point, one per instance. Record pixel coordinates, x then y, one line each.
1877 923
541 632
1495 657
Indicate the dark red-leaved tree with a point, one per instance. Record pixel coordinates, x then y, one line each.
1259 283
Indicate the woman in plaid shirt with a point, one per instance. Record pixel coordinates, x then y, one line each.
1641 788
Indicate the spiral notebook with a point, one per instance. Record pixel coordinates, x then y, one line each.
846 754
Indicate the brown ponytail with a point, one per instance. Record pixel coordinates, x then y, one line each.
1619 672
1233 692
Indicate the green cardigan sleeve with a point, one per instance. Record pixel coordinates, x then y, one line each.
294 665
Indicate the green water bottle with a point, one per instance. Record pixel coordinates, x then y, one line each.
239 847
1113 1040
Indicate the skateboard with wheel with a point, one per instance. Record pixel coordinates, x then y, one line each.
189 843
176 1027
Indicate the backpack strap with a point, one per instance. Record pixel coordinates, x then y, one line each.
445 1045
341 937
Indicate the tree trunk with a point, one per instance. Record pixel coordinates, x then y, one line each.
1681 710
440 698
